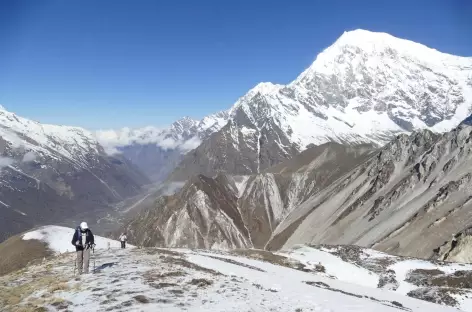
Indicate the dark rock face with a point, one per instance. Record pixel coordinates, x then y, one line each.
407 199
203 214
234 152
241 211
459 247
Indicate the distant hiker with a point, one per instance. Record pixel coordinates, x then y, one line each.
83 241
123 239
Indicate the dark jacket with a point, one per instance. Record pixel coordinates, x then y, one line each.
89 239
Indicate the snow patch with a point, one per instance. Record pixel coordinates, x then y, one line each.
6 161
29 156
334 266
58 238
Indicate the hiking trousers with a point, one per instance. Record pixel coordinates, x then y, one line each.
83 259
123 244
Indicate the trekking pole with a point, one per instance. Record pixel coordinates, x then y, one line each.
75 265
93 253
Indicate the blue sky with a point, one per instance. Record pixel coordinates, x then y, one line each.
115 63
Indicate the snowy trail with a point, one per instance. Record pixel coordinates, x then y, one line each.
184 280
303 278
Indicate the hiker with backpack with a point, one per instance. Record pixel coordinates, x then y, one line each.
123 239
83 241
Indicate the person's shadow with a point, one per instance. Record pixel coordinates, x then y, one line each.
104 266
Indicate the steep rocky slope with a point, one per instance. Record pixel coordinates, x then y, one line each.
408 199
241 211
366 87
49 173
458 248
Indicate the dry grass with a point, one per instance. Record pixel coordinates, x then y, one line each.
13 294
38 305
17 253
57 287
154 275
29 309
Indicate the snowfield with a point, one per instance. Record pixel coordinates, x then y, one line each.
366 267
335 266
58 238
153 279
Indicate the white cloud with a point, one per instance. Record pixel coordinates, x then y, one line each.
168 143
111 150
172 188
111 140
12 137
6 161
29 156
190 144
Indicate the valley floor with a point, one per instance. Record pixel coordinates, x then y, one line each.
152 279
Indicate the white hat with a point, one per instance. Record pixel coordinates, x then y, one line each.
84 226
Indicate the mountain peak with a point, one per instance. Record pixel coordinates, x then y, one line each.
362 35
366 39
354 47
265 87
184 124
185 120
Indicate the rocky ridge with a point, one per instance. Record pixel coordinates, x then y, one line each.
408 199
52 173
365 88
240 211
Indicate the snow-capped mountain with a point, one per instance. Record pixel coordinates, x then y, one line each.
365 88
158 151
50 172
73 143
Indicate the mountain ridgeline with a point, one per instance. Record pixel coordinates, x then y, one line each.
241 211
364 147
365 88
406 198
49 174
